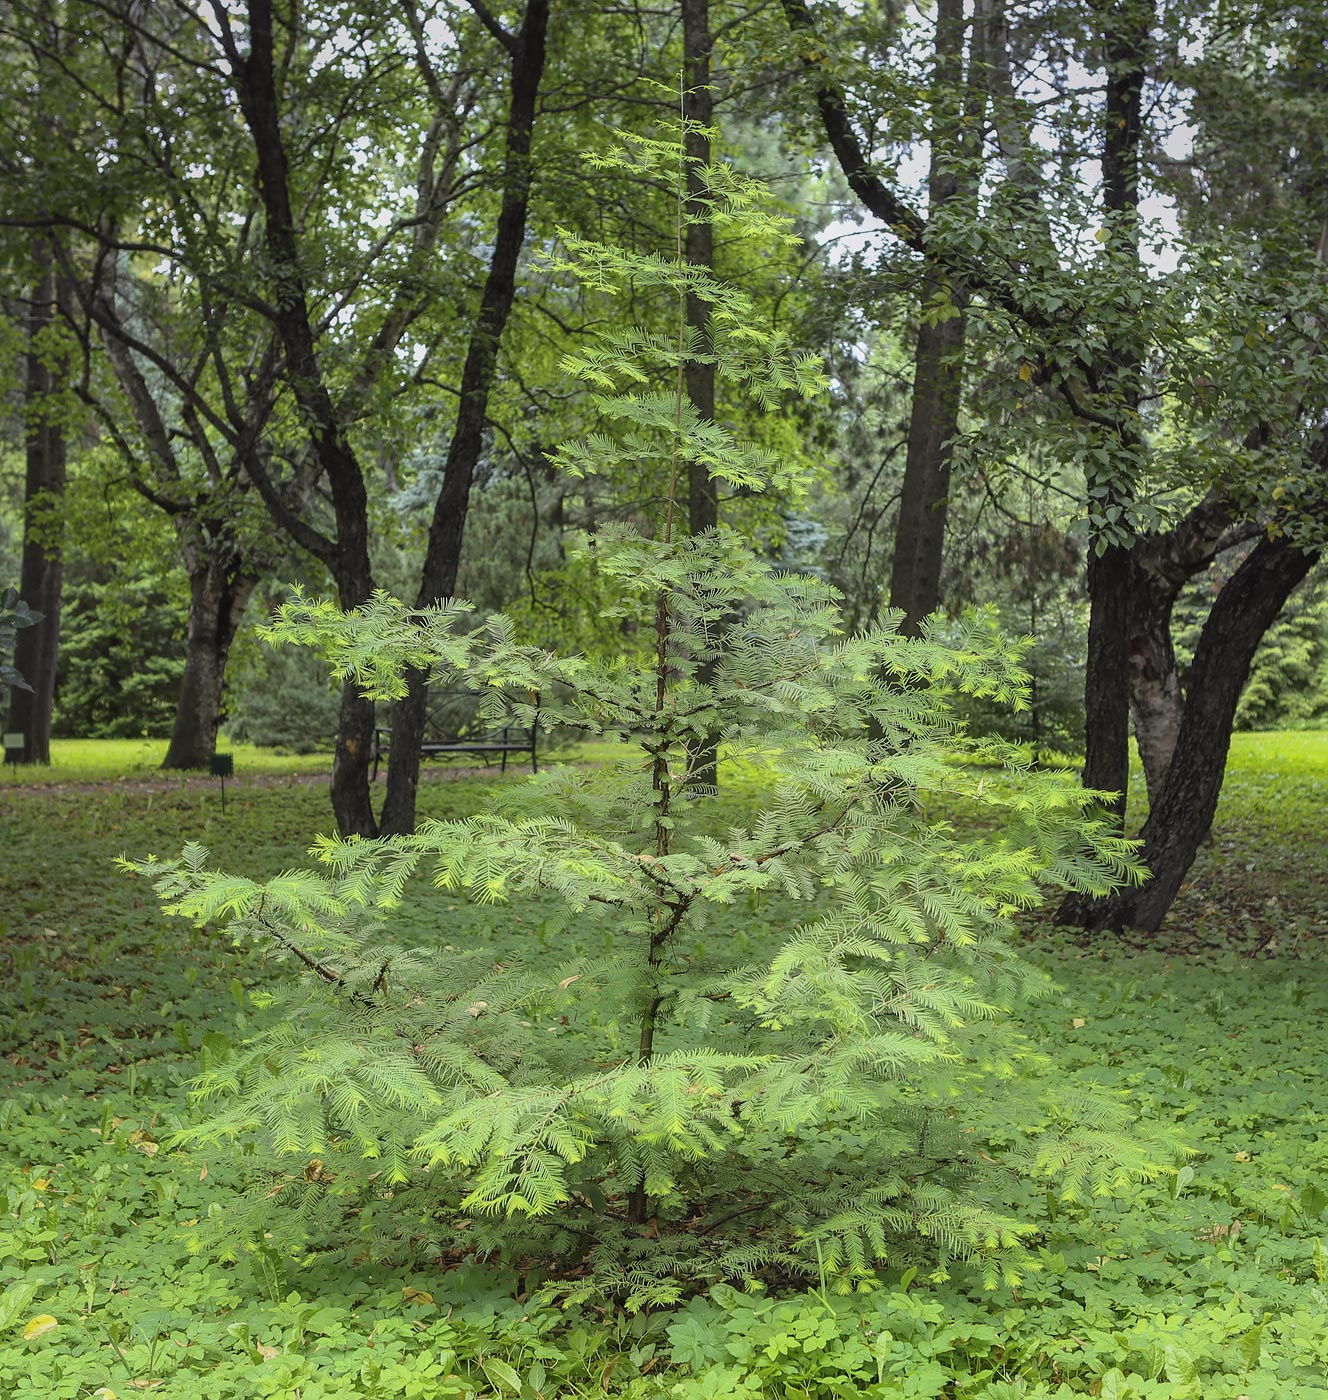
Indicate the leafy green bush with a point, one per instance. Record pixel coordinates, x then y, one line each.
665 1112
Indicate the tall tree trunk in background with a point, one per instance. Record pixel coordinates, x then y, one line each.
938 368
447 528
347 558
1126 26
698 107
1183 811
218 595
222 574
36 649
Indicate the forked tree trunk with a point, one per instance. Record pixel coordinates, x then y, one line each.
1183 812
217 600
41 579
1161 565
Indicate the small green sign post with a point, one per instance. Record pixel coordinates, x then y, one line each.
223 767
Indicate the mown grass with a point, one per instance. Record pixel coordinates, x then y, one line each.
134 760
1214 1284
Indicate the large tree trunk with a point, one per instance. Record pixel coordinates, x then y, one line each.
1156 702
915 574
1183 812
1126 25
1161 565
36 649
447 528
938 371
352 802
255 76
1106 702
1107 688
218 596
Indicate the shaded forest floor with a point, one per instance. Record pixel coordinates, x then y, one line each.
1214 1284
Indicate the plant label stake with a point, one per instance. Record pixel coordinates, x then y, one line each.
223 767
14 742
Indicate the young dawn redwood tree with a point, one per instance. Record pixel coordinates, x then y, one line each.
663 1114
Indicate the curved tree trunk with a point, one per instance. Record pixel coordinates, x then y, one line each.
37 649
347 558
1161 566
447 528
1183 812
217 600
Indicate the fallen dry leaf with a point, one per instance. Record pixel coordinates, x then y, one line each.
39 1326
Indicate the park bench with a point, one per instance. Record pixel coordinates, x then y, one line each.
454 724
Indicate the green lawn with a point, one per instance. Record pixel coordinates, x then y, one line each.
1211 1286
132 760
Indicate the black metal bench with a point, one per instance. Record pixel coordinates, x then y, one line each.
454 724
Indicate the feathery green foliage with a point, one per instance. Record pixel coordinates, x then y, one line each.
662 1111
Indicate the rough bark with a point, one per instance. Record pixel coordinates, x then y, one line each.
447 527
915 574
938 371
1161 566
1107 683
1183 812
36 649
1157 703
218 595
1110 572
